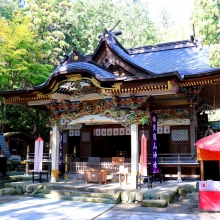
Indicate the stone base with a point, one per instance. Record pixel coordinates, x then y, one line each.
53 180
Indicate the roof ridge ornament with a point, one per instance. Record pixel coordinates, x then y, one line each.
108 33
74 56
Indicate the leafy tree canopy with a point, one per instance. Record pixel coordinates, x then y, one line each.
206 17
20 55
76 24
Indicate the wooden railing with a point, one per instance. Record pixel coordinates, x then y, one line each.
80 167
175 158
46 157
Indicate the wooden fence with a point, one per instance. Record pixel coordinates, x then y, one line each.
80 167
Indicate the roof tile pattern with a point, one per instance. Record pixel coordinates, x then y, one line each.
85 67
189 60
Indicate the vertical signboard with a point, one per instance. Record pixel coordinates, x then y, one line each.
154 155
38 155
61 152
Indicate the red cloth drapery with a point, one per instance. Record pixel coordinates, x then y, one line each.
211 142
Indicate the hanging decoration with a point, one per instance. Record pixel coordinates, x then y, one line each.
61 153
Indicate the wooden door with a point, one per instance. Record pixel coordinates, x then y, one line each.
180 139
85 142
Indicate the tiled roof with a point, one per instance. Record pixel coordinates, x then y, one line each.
95 70
185 60
128 58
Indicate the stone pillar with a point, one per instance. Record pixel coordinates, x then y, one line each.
134 155
55 155
179 179
202 170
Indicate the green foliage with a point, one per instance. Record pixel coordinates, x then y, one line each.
20 55
20 118
92 17
215 55
8 7
66 24
21 66
206 21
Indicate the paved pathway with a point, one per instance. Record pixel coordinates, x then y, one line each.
125 215
38 208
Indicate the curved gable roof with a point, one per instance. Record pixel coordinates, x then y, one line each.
120 52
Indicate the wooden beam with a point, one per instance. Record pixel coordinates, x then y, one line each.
202 170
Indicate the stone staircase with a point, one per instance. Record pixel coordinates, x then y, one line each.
52 192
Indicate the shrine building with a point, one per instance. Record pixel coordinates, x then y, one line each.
102 103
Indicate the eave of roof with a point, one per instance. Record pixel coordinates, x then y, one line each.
10 134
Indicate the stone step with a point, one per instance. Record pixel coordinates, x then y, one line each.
81 188
77 198
192 202
160 203
79 193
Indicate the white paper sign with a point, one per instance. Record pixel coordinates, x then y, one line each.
160 130
109 131
166 129
103 131
122 131
97 132
77 132
128 131
209 185
115 131
71 133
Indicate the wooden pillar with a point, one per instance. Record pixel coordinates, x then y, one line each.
192 130
179 179
134 155
27 159
55 155
202 170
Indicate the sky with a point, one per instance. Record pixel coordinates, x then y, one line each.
180 10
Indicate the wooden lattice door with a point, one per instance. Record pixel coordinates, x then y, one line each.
85 143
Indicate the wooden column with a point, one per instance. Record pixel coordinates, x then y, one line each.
134 155
179 179
202 170
27 158
192 130
55 155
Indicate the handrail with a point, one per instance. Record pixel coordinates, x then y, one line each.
172 154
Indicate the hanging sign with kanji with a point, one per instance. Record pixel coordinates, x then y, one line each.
154 154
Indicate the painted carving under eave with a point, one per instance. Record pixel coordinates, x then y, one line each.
63 113
78 89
